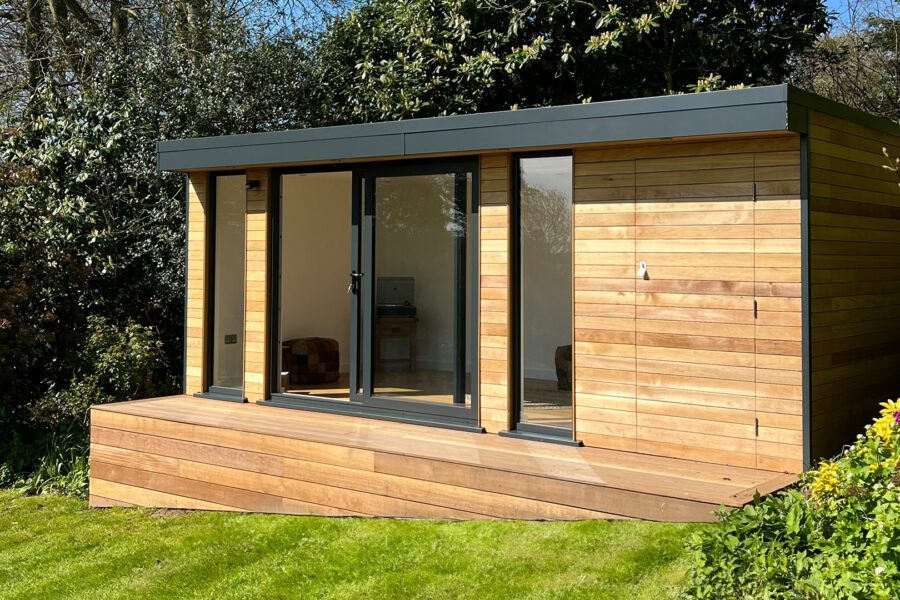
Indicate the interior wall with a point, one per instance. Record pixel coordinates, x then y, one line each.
315 257
416 242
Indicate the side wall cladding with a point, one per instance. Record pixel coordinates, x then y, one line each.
854 277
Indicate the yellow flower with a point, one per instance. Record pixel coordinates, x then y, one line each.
889 408
884 427
826 480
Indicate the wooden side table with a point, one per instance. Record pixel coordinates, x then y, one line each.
395 327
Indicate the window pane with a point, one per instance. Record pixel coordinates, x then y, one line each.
471 338
228 293
545 209
316 224
420 236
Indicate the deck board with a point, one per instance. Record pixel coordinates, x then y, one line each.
186 452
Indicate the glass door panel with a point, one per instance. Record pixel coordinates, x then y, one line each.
376 296
319 223
419 281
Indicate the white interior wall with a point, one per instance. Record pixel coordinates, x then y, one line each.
315 258
414 239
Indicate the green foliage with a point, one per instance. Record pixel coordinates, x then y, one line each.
837 536
62 468
92 236
244 82
390 59
87 229
55 462
114 363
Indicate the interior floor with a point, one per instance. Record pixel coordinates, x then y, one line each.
423 385
546 404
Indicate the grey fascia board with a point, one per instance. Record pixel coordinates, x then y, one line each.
726 112
269 153
711 121
798 97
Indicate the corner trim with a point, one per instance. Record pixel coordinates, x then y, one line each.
186 181
806 326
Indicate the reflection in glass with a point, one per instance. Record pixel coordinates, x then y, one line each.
421 277
316 214
228 292
545 215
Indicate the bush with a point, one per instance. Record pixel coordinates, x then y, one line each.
115 363
836 536
61 469
51 463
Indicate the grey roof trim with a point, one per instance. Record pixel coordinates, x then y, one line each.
750 110
733 111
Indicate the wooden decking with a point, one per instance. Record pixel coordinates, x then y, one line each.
185 452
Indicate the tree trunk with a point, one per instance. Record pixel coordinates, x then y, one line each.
196 14
62 27
35 47
118 24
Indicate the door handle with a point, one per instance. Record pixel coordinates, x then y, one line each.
353 288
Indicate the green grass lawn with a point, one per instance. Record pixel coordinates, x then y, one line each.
54 547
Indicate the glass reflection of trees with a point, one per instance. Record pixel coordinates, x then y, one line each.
546 227
545 288
396 211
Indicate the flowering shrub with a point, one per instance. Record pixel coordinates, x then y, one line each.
836 536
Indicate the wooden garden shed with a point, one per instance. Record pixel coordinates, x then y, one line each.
640 308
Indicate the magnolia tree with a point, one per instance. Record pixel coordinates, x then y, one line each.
389 59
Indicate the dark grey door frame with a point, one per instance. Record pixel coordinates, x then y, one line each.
362 401
520 429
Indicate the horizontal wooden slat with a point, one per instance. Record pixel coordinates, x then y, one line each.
718 225
855 280
192 453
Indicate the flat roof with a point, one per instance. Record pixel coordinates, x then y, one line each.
740 111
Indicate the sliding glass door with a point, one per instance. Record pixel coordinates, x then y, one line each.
418 324
376 270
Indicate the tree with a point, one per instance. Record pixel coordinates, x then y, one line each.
69 41
84 231
390 59
91 235
858 63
